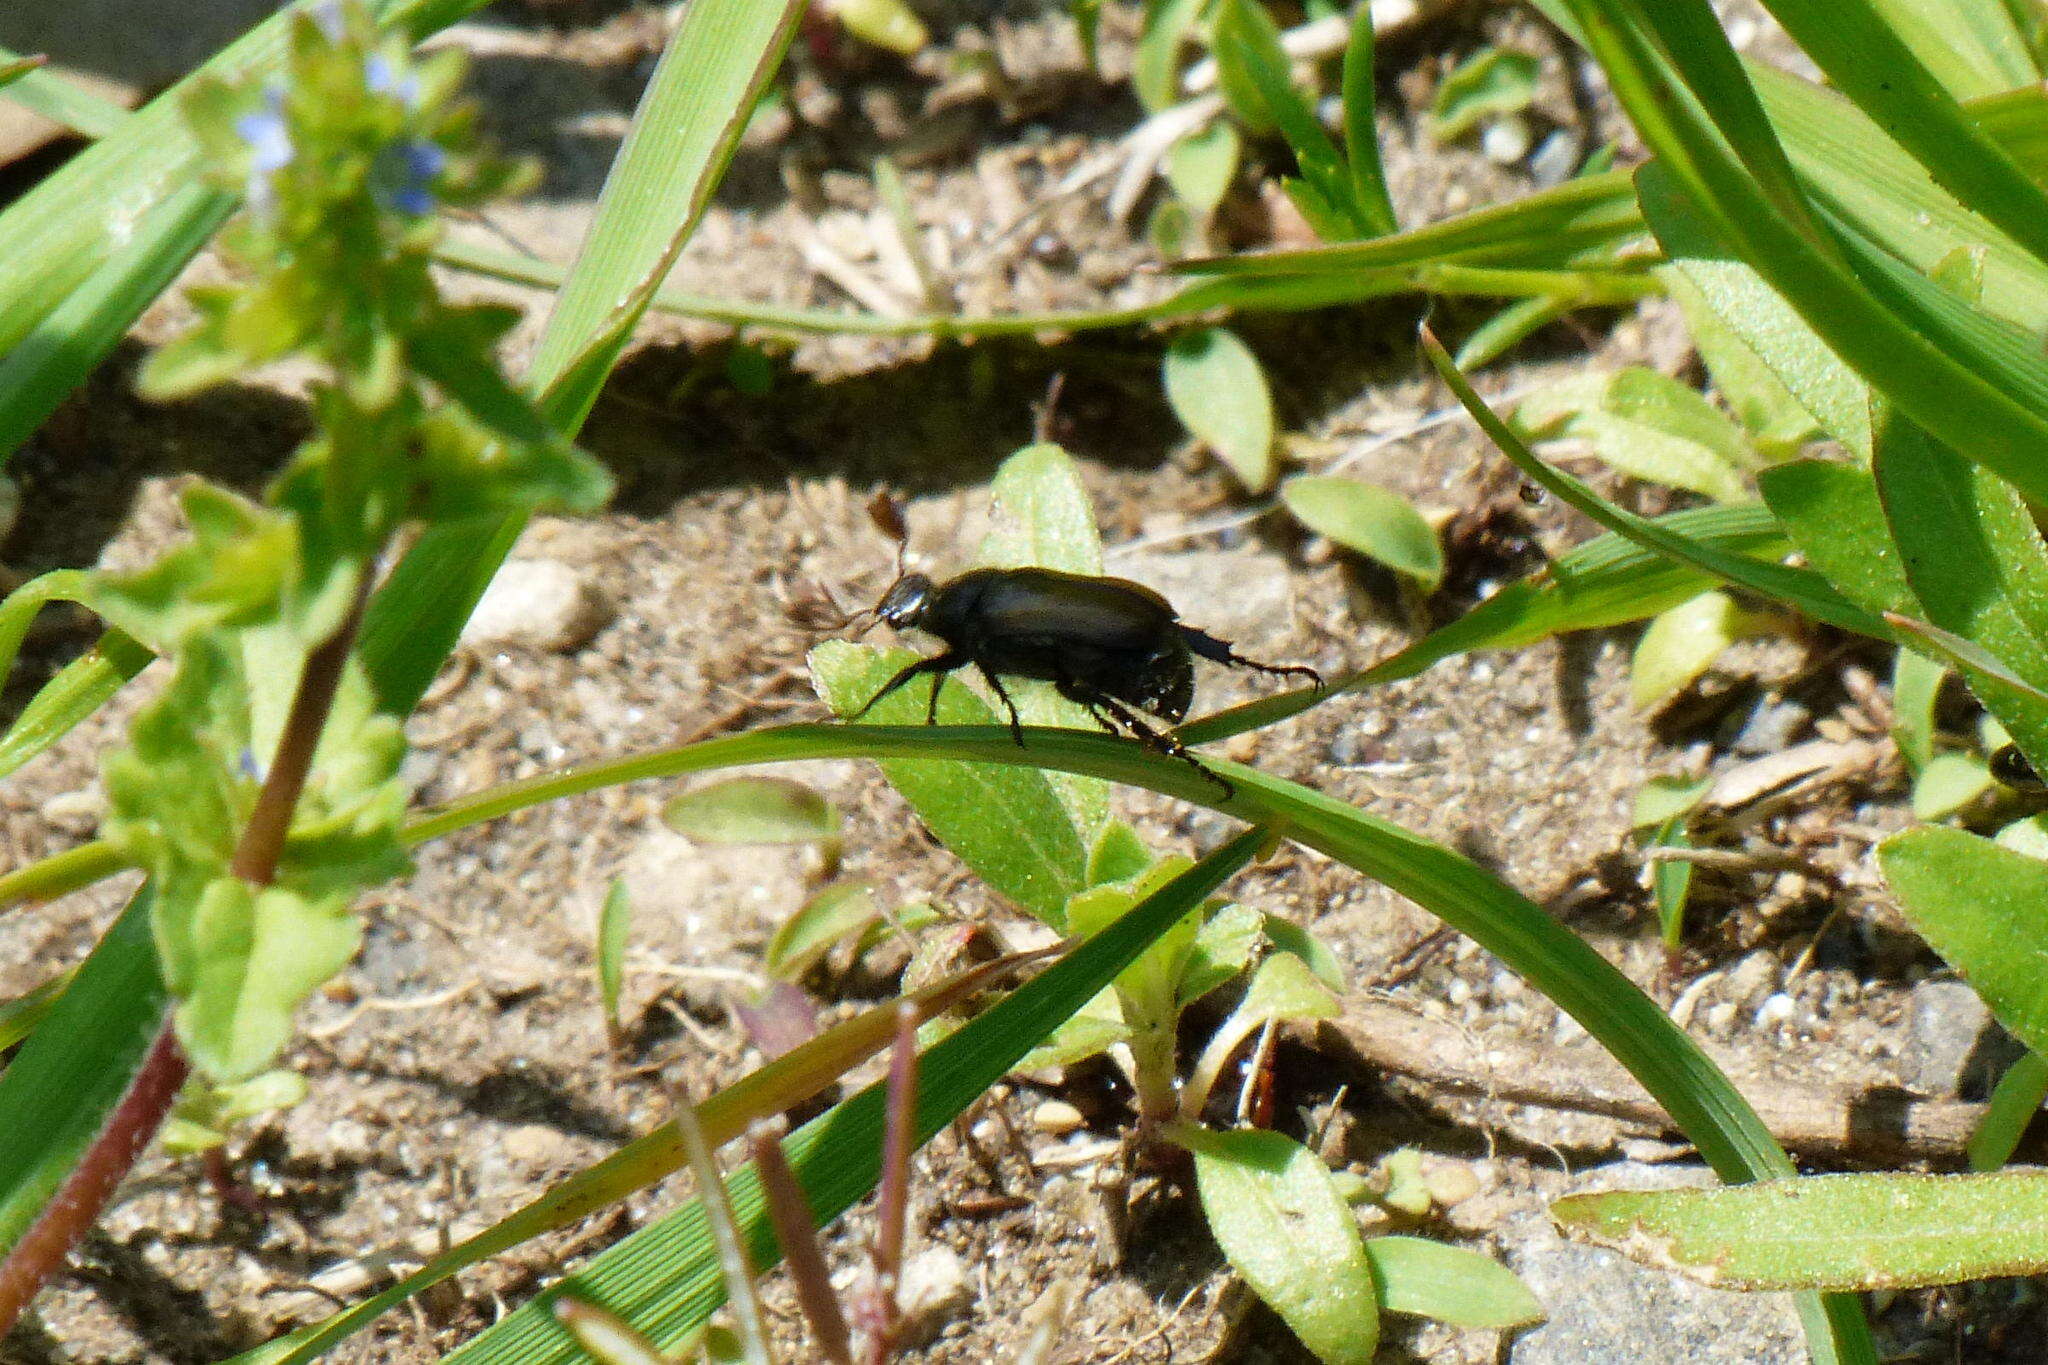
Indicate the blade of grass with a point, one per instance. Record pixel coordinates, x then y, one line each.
1361 136
1605 582
1802 588
1551 958
78 690
787 1081
684 132
1868 61
57 99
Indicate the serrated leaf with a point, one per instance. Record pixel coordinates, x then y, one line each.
753 810
258 954
838 912
1284 987
1201 166
1858 1232
1218 391
1119 855
1681 644
1456 1285
1491 82
1284 1227
1376 522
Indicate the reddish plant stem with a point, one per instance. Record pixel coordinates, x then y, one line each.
78 1201
892 1199
82 1197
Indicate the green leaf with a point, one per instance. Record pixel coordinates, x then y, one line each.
1201 166
1284 987
207 1110
2028 835
1223 947
1040 514
241 562
1119 855
1218 390
1255 77
1681 644
1361 139
1008 824
1155 65
1985 910
1777 421
258 955
80 688
1968 545
1288 937
1663 799
1949 782
20 1016
1849 1232
753 810
1450 1284
1376 522
1835 517
1491 82
614 925
1284 1227
889 24
58 1091
1646 425
839 912
2012 1108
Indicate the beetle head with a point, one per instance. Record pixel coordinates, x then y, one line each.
906 601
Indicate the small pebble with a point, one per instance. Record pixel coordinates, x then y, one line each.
1506 140
1057 1117
538 604
933 1288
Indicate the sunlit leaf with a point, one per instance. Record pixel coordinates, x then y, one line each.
1218 390
1491 82
753 810
1450 1284
1374 521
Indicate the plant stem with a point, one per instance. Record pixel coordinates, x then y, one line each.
79 1202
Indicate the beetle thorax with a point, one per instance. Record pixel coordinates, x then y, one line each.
907 600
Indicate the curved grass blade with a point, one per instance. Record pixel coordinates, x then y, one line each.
1604 582
59 100
836 1156
787 1081
1801 588
78 690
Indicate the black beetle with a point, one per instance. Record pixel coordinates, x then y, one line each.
1110 645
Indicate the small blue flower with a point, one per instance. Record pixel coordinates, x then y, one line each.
381 79
268 138
420 162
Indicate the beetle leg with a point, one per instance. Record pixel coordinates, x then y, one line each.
1101 704
938 663
1209 647
1003 695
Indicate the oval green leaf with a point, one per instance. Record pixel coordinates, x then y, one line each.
1283 1226
1451 1284
1219 392
753 810
1376 522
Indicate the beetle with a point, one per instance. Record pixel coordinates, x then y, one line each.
1112 646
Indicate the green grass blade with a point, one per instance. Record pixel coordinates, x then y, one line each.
1801 588
1936 366
2012 1108
1973 49
1604 582
56 1094
683 134
1361 135
59 100
1591 213
55 358
1976 565
1869 62
80 688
